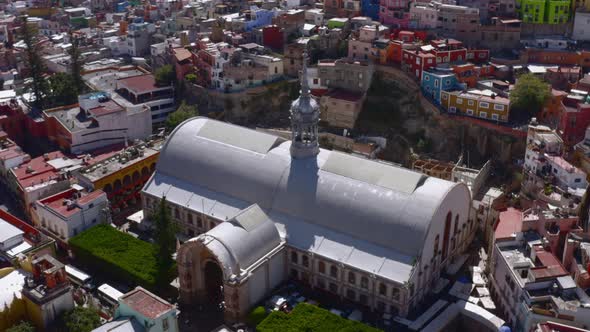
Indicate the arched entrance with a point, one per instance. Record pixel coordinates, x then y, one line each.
213 283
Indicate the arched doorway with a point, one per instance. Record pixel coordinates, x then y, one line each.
213 283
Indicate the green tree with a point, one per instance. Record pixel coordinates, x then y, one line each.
192 78
81 319
165 75
76 64
165 241
63 90
183 113
35 65
530 94
22 327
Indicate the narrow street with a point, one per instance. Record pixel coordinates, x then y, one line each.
7 202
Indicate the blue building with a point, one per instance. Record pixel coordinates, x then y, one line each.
140 310
259 18
435 81
370 8
121 6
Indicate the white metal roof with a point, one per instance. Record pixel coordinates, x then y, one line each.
110 291
248 237
8 231
11 287
382 209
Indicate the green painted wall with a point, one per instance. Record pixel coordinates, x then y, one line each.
532 11
544 11
558 11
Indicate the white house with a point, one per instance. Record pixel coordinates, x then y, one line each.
70 212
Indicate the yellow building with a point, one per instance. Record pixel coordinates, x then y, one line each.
476 103
123 175
12 305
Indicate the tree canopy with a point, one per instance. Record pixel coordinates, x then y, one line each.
165 241
76 64
22 327
165 75
192 78
63 90
530 94
183 113
34 64
81 319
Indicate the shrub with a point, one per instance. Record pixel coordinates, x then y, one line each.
81 319
165 75
307 317
191 78
22 327
104 248
257 315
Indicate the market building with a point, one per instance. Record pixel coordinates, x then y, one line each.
373 233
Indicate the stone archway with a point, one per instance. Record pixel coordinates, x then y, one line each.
213 279
204 265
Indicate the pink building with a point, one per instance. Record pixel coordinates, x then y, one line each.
395 13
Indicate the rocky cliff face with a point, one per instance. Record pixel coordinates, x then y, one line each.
266 106
396 109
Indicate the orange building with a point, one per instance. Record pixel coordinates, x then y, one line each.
122 175
466 73
557 57
552 110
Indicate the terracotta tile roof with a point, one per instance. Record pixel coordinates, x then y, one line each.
105 108
509 222
182 54
140 84
548 266
146 303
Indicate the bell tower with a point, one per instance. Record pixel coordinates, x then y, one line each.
305 114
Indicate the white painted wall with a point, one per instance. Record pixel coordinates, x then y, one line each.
581 30
74 224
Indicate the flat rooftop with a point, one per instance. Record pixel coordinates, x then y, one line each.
105 79
69 202
9 150
43 169
146 303
123 159
509 224
74 119
140 84
8 231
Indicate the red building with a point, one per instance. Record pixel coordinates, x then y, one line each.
415 62
451 50
183 62
573 123
18 121
272 36
12 121
443 51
